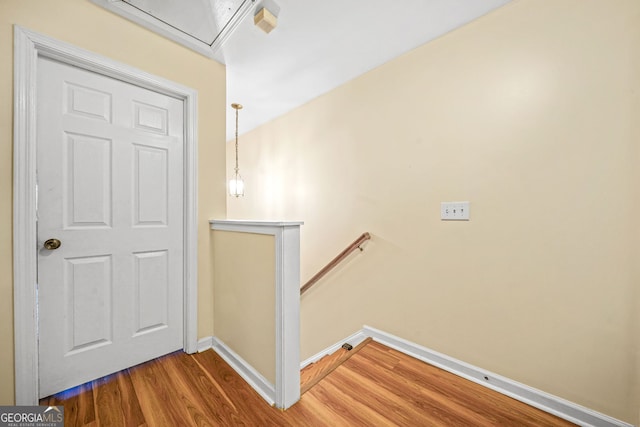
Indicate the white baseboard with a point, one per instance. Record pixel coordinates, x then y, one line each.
539 399
353 339
204 344
259 383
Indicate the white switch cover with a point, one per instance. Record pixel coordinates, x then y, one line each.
454 211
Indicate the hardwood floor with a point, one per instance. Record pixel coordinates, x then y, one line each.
377 386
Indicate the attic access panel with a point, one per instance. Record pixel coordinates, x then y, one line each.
200 25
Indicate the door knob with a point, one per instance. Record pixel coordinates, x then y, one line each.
52 244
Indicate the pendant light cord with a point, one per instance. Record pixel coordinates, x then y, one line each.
237 169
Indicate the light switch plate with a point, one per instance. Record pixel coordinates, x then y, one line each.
454 211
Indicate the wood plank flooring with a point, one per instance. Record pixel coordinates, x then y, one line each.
377 386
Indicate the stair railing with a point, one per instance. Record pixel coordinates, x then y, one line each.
357 244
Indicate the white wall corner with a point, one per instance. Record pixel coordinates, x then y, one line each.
287 316
539 399
287 319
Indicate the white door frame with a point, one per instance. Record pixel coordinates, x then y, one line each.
28 47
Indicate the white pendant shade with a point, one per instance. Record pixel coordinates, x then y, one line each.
236 186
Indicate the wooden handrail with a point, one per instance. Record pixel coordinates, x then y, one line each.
320 274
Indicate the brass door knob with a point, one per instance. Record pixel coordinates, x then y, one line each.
52 244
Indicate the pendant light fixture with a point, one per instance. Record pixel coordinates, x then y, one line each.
236 184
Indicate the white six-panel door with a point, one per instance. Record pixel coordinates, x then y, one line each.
110 189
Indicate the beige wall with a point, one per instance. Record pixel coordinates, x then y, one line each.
531 114
245 289
83 24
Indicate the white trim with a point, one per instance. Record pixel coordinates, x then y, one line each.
205 344
24 221
353 339
287 321
552 404
259 383
190 251
258 227
28 46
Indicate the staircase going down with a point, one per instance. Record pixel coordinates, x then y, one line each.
313 373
